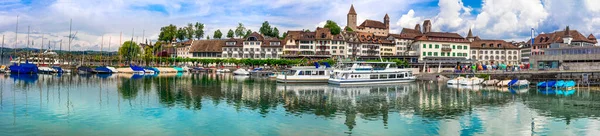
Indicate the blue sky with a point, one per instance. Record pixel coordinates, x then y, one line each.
95 19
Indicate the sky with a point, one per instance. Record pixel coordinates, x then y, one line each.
99 23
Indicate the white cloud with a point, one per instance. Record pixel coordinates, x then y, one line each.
408 20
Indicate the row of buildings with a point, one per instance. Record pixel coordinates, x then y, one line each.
372 39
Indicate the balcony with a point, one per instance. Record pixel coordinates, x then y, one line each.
291 46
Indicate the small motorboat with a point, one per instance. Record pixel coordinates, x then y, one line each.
491 82
112 69
153 69
102 70
559 84
455 81
241 72
570 84
503 83
58 69
223 70
547 84
137 69
46 70
520 83
471 81
85 70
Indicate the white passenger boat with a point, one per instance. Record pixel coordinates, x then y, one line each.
455 81
471 81
357 73
241 71
306 75
223 70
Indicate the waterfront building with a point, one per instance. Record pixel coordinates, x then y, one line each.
183 49
255 46
571 37
368 26
573 52
525 51
401 43
442 46
493 51
318 44
206 49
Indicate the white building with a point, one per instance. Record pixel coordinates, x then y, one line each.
255 46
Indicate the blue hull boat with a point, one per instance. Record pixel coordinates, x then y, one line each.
569 84
85 70
23 68
58 69
137 69
546 84
559 84
102 70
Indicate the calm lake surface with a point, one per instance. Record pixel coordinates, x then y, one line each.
199 104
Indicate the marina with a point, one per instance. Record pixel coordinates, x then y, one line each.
178 104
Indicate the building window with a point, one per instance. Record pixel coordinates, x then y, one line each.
428 53
435 54
453 46
460 47
424 46
424 53
430 46
437 46
454 54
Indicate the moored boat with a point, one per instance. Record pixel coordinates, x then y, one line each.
306 75
455 81
359 73
503 83
85 70
46 70
241 71
491 82
471 81
23 68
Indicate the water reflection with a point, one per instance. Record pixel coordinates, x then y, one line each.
420 108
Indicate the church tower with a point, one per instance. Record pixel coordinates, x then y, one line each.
386 21
351 18
426 26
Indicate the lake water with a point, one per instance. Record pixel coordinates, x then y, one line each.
185 104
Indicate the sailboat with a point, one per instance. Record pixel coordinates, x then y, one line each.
22 68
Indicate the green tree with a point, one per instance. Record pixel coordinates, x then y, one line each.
230 34
217 34
348 29
199 31
275 33
189 31
248 33
283 35
333 27
181 34
167 33
265 29
129 50
306 30
208 37
240 30
148 54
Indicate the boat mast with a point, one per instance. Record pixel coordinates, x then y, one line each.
40 52
60 49
129 48
109 39
2 49
70 26
120 42
27 54
17 40
101 46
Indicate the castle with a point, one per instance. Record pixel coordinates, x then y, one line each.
368 26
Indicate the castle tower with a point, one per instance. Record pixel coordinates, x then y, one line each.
351 18
418 27
427 26
386 21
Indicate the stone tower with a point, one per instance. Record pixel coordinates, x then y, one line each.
386 21
351 18
418 27
427 26
470 36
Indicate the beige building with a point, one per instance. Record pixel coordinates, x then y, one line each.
368 26
255 46
318 44
493 51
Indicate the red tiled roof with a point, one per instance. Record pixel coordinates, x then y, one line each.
403 36
372 24
238 42
323 33
557 37
591 37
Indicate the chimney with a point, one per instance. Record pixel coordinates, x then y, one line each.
567 37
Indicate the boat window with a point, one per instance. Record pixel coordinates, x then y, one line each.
392 76
321 72
374 76
291 73
400 75
405 74
307 72
383 76
301 73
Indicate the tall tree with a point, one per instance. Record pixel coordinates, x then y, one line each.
333 27
265 29
181 34
199 31
248 33
208 37
275 33
189 31
148 54
240 30
230 34
129 50
283 35
217 34
167 33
